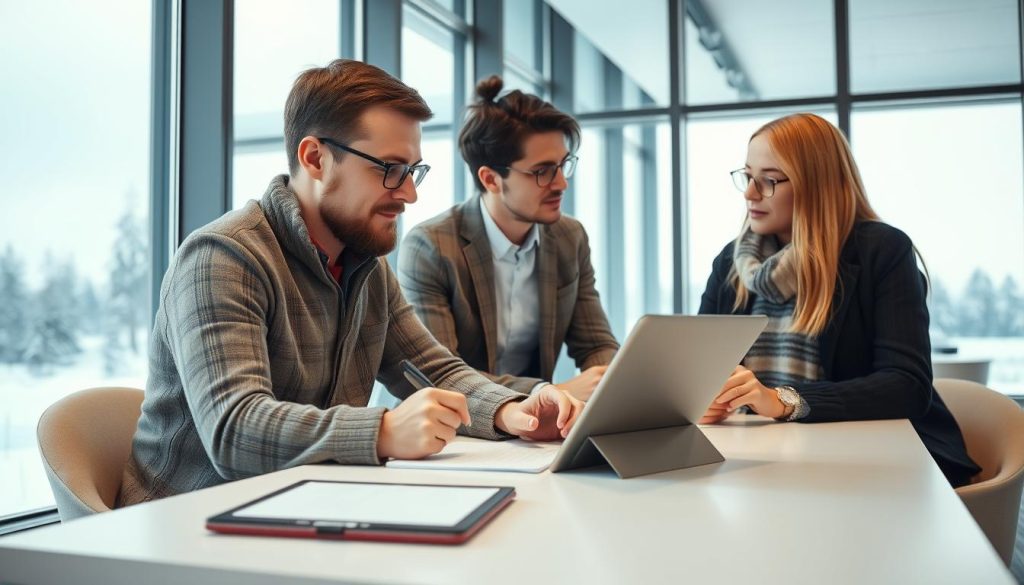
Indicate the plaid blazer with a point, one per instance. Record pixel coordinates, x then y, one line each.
259 360
446 270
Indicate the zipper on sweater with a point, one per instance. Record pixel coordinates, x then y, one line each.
347 331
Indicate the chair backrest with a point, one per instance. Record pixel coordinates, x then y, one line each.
993 429
85 440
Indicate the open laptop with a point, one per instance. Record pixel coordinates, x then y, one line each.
640 418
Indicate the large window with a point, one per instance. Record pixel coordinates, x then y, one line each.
745 52
623 193
433 62
430 54
951 177
715 146
523 23
630 235
274 42
613 46
933 44
75 231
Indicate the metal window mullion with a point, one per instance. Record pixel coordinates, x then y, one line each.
488 47
440 15
205 120
544 32
615 263
842 39
28 520
743 107
460 90
562 75
463 89
642 115
677 96
520 68
163 98
649 226
346 29
488 38
1020 56
382 47
538 38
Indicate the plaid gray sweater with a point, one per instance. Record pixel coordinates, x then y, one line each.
259 360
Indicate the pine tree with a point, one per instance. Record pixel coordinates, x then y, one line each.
14 309
91 309
53 335
1010 309
943 313
129 277
978 315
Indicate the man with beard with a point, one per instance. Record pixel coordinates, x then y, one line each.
504 279
275 319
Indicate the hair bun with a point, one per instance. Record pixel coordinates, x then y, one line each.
488 88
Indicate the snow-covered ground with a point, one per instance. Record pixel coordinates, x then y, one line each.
23 398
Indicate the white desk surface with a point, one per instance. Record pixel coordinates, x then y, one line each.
825 503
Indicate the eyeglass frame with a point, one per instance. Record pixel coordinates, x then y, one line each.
409 169
755 178
537 173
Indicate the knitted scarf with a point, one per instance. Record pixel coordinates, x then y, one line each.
779 356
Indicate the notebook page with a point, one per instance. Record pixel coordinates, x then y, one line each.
465 453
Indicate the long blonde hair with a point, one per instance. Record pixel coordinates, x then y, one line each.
828 199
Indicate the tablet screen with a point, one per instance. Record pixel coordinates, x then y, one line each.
416 505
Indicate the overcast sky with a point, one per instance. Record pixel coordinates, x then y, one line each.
75 117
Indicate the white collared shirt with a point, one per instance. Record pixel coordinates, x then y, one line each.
516 298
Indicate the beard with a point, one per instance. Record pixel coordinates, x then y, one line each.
359 233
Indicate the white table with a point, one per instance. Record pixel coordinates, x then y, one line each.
826 503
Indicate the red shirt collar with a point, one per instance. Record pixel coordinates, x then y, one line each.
335 267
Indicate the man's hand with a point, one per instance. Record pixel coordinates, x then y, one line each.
547 415
744 389
582 386
422 424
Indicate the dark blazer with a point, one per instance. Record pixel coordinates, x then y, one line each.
446 270
875 351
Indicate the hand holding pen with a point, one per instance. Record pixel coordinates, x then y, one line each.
424 422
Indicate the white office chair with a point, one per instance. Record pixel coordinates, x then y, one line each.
975 370
85 440
993 428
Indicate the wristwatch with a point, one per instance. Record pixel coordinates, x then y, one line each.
791 401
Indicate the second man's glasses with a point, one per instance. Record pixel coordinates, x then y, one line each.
546 174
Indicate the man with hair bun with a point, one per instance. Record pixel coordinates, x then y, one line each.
504 279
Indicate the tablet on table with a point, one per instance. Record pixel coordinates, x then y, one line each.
390 512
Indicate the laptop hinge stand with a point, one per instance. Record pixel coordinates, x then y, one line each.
642 452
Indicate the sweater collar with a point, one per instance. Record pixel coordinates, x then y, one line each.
280 205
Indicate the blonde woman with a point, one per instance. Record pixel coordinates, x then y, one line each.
848 327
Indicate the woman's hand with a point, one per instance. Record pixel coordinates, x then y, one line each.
744 389
716 413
